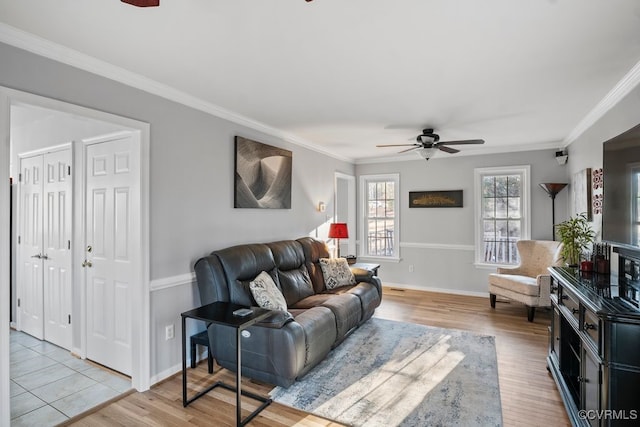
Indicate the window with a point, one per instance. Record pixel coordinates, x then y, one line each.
502 207
379 195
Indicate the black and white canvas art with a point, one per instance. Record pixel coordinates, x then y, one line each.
263 176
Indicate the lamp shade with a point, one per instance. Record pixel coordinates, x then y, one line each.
338 230
553 188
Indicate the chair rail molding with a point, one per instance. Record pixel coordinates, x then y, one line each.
172 282
445 246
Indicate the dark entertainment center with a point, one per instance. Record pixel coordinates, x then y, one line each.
594 347
594 340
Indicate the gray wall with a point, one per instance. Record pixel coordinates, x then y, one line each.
437 242
191 167
586 150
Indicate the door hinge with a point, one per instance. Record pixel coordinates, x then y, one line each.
69 170
69 319
19 239
68 244
18 302
19 177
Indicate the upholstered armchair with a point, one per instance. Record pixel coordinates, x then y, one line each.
529 282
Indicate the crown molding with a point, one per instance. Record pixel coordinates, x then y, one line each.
48 49
629 82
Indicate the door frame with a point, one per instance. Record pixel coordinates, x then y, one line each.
351 207
141 320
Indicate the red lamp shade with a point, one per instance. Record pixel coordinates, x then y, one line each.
338 230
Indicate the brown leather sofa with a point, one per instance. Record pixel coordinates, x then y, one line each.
286 345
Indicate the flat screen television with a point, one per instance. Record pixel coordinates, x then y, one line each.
621 194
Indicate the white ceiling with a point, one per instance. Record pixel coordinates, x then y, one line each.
345 75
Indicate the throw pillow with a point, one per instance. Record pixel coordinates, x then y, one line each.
266 293
336 272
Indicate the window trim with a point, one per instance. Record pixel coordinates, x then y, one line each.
525 206
364 180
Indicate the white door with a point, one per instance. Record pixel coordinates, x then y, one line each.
112 204
29 271
44 276
56 257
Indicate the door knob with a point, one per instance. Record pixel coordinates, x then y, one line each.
36 256
87 263
45 256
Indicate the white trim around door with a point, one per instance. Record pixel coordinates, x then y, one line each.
141 326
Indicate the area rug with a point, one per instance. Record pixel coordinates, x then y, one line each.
390 373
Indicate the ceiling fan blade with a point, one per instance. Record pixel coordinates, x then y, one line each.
398 145
142 3
409 149
462 142
448 149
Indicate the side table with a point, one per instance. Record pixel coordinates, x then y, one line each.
221 313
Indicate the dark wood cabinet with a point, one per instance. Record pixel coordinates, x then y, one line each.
594 349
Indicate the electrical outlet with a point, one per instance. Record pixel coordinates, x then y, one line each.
169 332
410 268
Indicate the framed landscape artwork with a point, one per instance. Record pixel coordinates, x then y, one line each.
262 175
435 199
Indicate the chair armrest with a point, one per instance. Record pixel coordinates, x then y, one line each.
544 284
511 270
276 320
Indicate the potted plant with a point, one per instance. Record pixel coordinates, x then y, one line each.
577 236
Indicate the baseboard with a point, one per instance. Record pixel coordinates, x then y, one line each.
161 376
403 286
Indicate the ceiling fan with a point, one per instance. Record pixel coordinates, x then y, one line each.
428 143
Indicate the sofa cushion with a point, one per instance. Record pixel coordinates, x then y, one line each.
293 277
319 326
243 263
347 310
266 293
313 251
519 284
336 272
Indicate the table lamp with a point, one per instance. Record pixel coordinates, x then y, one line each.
338 230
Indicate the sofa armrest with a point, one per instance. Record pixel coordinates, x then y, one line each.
361 274
276 320
544 286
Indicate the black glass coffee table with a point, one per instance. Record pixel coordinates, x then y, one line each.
221 313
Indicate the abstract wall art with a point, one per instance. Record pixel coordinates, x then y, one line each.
262 175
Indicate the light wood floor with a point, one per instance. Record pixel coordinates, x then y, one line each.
529 395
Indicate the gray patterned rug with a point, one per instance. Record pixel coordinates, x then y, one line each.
390 373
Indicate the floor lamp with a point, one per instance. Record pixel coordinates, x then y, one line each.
553 188
338 230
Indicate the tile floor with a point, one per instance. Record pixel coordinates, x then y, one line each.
49 385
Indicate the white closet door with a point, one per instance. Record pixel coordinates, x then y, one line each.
29 271
112 191
57 248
